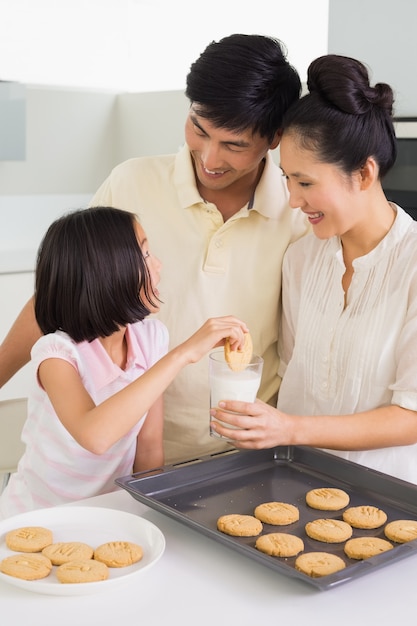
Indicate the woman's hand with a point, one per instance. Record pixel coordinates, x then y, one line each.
260 425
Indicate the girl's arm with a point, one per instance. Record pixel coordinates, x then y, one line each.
97 428
149 447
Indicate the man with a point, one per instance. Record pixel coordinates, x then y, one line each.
217 215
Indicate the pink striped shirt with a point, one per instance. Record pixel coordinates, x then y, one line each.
55 469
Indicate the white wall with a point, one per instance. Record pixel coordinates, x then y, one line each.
70 148
382 34
150 123
142 45
74 139
69 142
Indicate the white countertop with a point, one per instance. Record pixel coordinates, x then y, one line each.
198 581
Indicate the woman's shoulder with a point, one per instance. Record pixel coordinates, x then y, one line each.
309 244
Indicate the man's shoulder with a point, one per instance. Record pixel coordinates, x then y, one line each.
145 164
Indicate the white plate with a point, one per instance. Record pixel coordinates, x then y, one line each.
92 525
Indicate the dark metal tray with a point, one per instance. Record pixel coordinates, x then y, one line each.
198 492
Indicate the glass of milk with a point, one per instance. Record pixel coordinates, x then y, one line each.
226 384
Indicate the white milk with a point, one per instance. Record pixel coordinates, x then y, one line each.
229 385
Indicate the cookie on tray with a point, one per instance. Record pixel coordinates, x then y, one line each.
29 539
26 566
365 517
401 530
82 571
280 544
317 564
239 525
361 548
328 530
237 360
63 552
327 499
118 553
277 513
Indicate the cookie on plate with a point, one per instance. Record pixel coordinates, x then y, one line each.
118 553
26 566
280 544
237 360
328 530
239 525
63 552
277 513
401 530
327 499
82 571
365 517
364 547
317 564
29 539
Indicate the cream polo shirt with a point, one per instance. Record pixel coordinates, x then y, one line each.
353 358
210 268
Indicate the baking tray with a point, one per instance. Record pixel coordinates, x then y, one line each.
196 493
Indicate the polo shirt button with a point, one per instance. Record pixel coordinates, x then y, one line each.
219 243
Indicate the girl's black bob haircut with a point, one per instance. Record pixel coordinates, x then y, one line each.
90 274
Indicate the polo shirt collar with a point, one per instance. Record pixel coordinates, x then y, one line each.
101 368
184 178
189 195
266 191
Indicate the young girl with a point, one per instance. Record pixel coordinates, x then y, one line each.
349 350
101 366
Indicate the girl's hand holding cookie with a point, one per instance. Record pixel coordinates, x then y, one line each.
239 358
212 334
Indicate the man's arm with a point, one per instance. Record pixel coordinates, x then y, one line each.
16 346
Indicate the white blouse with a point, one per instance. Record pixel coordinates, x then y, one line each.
337 360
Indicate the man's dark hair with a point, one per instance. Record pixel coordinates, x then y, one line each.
89 274
243 81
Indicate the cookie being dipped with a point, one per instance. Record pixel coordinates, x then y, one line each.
238 360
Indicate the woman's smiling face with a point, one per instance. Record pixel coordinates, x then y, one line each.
328 196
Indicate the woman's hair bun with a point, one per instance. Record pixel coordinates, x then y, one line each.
344 83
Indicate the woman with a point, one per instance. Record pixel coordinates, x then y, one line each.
349 328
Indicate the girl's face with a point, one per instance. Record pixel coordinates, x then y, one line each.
154 267
329 197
